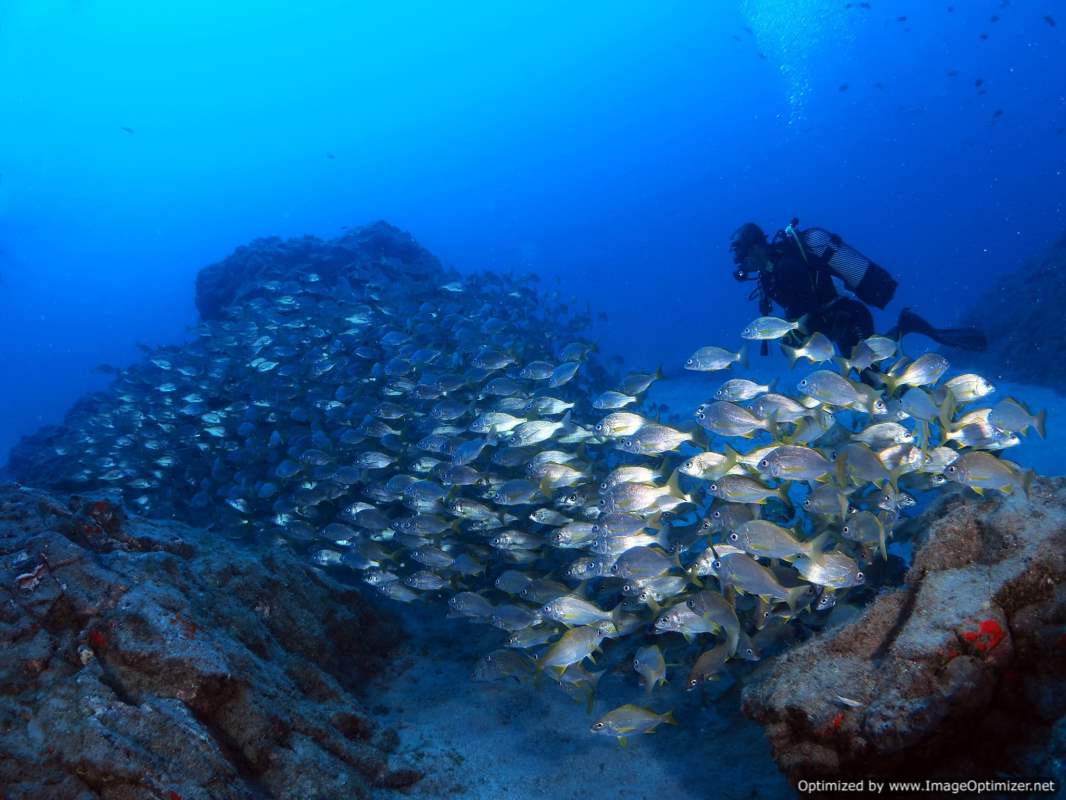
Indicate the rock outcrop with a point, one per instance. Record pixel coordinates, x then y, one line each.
146 659
1022 316
940 676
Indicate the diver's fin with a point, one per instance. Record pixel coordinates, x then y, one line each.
961 338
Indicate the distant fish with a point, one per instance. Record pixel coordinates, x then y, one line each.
979 82
762 55
106 369
331 157
878 85
993 18
983 37
736 38
952 73
842 88
750 32
951 9
1050 20
997 113
901 19
127 130
1060 131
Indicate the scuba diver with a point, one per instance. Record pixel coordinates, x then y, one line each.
796 270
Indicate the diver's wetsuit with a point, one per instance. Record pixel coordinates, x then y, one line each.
805 287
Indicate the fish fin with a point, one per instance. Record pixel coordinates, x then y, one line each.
795 594
817 545
668 718
771 426
622 742
674 485
947 411
843 364
653 605
545 487
1039 423
1027 480
664 465
659 374
742 356
699 438
689 637
790 354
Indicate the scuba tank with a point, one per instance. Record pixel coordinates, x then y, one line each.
867 280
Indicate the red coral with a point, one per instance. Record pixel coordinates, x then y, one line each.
986 637
836 722
97 639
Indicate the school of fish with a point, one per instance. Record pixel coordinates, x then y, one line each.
456 442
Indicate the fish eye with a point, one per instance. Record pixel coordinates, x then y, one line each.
886 498
714 487
599 425
860 577
951 468
807 503
636 664
691 603
689 361
643 596
845 529
803 382
717 514
764 463
717 564
734 537
604 487
603 502
572 498
627 588
614 568
596 529
599 726
693 683
750 652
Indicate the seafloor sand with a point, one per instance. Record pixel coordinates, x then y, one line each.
508 740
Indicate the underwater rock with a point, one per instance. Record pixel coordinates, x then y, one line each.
377 252
934 678
1022 316
150 659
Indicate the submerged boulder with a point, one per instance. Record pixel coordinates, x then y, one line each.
935 677
1022 315
146 659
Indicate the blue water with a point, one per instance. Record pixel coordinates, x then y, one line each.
611 148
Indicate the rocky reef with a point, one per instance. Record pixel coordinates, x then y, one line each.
147 659
1022 316
960 672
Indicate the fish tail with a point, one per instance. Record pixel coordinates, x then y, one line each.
674 485
791 353
795 594
742 356
1027 481
659 374
668 718
1039 422
817 545
843 363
